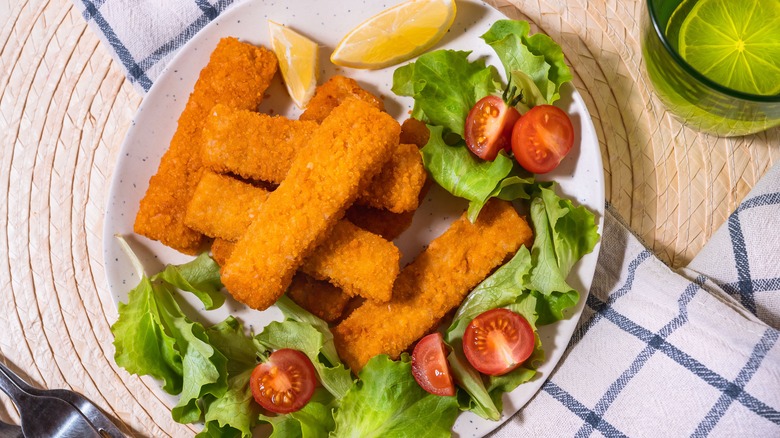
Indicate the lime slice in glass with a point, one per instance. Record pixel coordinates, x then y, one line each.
735 43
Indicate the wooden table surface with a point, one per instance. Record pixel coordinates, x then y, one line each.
65 106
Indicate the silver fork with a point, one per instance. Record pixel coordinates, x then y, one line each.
95 416
10 430
45 416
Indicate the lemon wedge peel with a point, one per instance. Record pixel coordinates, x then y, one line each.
298 62
396 34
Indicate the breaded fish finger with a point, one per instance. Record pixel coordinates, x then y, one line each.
330 94
347 150
253 145
358 261
237 74
222 206
385 223
262 147
318 297
435 283
397 187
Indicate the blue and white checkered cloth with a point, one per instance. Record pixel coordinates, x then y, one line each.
657 352
666 354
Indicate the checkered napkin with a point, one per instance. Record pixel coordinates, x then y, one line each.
657 352
666 354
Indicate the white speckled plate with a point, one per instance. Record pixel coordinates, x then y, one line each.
580 175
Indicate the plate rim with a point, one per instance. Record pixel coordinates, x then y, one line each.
570 323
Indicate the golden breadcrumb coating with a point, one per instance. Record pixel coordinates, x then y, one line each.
360 262
237 75
221 250
261 147
397 188
318 297
330 95
385 223
357 261
435 283
222 206
347 150
253 145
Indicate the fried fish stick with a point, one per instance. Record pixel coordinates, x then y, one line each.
330 94
348 149
318 297
261 147
397 187
222 206
360 262
221 250
385 223
435 283
237 74
253 145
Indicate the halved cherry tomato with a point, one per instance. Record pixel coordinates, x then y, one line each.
488 127
285 382
429 366
498 341
541 138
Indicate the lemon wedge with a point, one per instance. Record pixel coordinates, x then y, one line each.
298 62
395 34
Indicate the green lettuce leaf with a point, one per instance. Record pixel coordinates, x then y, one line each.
235 413
199 277
204 367
314 420
537 56
142 344
464 175
445 85
502 289
564 233
208 367
305 338
387 401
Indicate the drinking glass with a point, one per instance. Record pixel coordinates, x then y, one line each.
695 99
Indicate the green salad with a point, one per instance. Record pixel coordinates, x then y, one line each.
209 367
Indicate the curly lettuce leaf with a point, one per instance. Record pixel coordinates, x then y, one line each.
142 344
204 367
464 175
503 288
199 277
208 367
537 56
295 312
564 233
305 338
387 401
314 420
234 414
532 284
445 85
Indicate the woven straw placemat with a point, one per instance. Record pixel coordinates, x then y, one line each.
65 107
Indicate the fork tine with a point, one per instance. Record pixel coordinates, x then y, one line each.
10 430
91 411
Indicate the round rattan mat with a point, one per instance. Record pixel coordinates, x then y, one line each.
65 107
